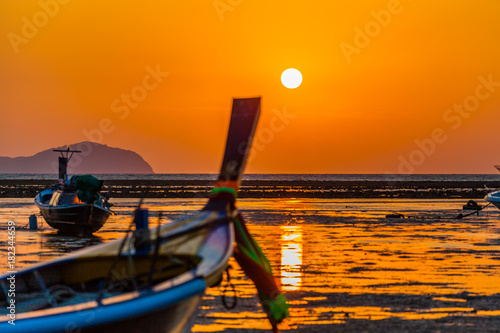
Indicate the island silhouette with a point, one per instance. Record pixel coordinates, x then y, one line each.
95 158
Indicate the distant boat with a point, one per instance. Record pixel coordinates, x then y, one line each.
73 205
153 280
494 197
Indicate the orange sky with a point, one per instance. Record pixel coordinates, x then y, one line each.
378 75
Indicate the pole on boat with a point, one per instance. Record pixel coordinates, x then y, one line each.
142 238
63 161
63 166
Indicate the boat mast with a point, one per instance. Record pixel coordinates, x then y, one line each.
63 161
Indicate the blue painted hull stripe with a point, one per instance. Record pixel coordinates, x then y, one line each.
108 313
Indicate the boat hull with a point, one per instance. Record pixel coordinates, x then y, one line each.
77 219
174 318
166 311
494 198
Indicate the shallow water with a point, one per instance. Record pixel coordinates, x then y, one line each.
338 260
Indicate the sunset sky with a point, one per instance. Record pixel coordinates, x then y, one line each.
388 86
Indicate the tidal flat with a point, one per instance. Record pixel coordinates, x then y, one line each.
343 265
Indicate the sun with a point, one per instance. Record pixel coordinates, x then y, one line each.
291 78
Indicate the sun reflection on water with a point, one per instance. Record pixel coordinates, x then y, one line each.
291 257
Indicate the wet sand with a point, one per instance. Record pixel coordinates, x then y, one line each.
28 188
342 264
354 270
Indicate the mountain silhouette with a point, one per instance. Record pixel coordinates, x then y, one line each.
95 158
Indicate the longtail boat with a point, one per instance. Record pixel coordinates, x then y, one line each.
152 280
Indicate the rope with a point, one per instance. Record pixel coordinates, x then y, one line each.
228 285
459 216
